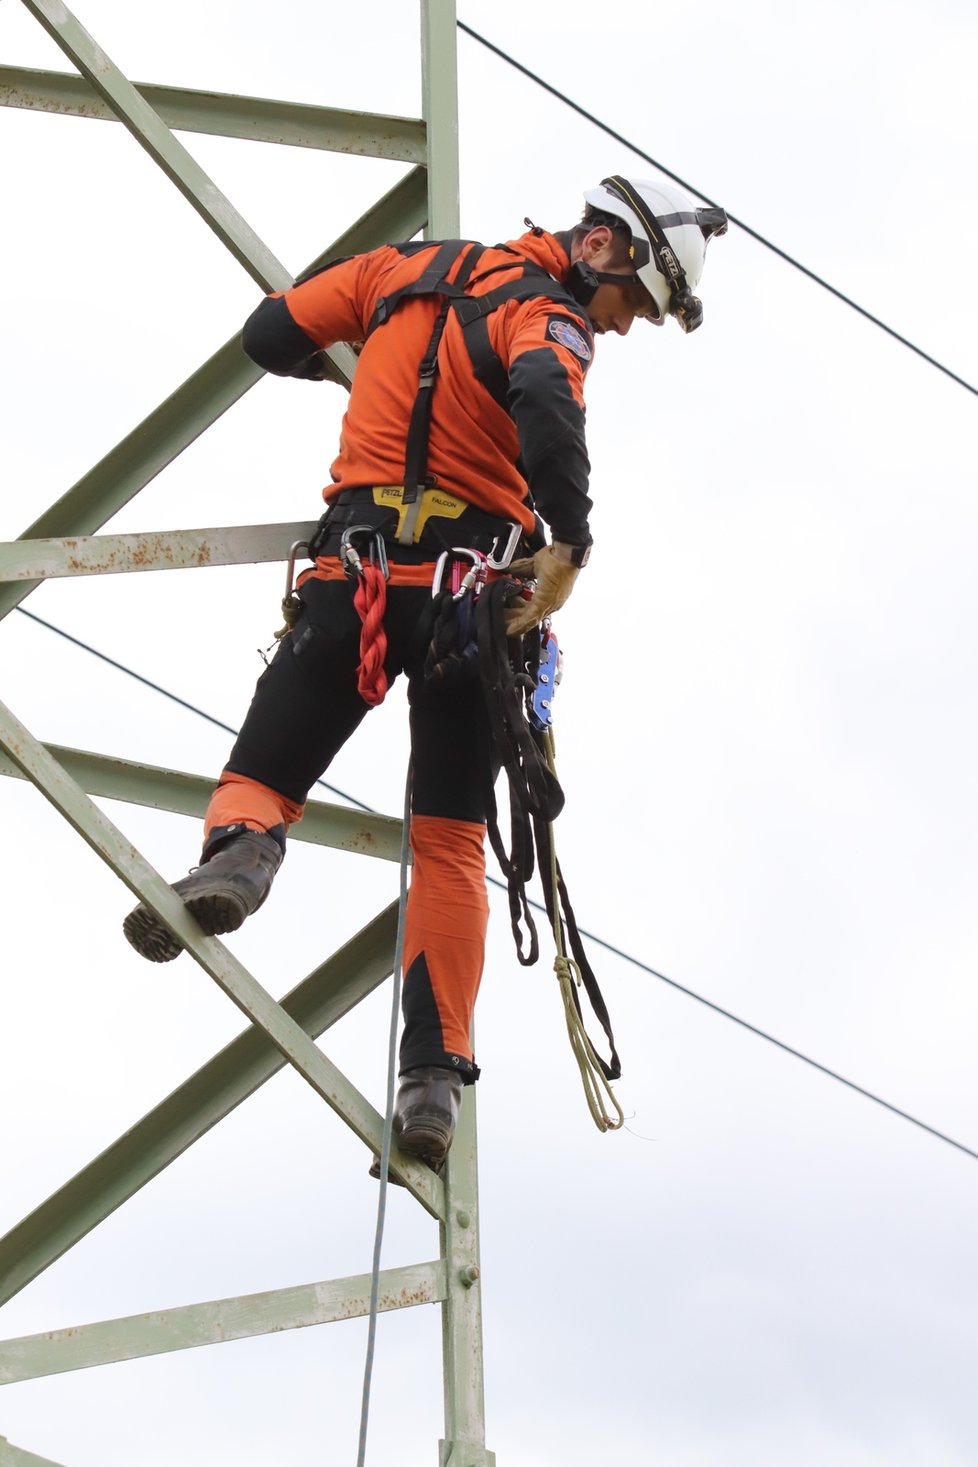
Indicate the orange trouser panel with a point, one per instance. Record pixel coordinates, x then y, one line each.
446 919
238 798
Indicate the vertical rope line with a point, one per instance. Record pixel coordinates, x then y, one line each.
385 1149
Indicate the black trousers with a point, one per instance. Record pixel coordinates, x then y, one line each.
306 705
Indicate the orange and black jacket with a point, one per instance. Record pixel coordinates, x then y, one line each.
511 442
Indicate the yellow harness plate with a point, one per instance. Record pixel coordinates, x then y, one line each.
434 503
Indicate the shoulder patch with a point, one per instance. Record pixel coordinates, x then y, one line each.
562 329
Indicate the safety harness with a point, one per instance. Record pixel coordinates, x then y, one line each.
448 273
460 258
403 513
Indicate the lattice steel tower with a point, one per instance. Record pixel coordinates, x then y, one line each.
64 542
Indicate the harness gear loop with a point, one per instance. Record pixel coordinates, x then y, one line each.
370 600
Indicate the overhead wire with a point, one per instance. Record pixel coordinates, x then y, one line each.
591 936
148 683
734 219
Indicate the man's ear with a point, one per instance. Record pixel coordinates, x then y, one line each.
593 243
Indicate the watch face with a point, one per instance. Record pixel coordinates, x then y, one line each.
582 556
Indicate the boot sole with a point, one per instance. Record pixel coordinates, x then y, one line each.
216 914
436 1167
426 1140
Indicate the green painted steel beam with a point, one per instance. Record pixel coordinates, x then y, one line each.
439 91
461 1453
230 975
142 454
222 1084
97 555
257 119
322 823
200 401
146 126
464 1443
218 1320
11 1456
462 1355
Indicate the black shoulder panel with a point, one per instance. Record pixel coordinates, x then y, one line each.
473 311
272 338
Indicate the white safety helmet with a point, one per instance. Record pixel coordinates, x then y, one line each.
670 233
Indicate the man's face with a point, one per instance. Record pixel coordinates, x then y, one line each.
615 307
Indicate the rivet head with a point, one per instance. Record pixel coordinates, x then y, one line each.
469 1275
463 1219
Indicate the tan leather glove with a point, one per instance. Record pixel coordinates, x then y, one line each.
554 574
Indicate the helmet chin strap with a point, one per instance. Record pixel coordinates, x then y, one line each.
583 280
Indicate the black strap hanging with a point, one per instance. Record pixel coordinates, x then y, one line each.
535 799
419 426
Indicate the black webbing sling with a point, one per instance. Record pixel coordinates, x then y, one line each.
535 799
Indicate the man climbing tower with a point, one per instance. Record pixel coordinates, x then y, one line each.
465 428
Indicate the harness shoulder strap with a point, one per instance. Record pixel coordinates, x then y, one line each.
472 313
432 281
419 426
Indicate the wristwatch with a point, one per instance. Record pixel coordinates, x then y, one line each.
576 555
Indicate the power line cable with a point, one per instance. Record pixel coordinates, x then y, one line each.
754 234
591 936
779 1044
103 657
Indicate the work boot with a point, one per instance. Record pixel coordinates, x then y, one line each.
425 1113
233 879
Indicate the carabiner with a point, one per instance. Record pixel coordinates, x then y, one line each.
291 605
294 549
350 556
474 576
502 560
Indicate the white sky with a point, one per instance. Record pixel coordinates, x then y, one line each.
766 733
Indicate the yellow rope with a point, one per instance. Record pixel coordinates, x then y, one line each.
602 1102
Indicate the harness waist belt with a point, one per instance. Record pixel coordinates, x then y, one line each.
443 520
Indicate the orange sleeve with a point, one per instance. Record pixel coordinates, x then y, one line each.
336 303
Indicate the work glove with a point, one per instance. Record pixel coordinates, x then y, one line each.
554 574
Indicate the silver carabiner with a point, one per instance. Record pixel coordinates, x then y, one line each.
290 571
503 559
475 575
350 556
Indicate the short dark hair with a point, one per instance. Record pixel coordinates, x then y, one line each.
592 219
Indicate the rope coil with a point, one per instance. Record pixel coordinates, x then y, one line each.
602 1102
370 600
